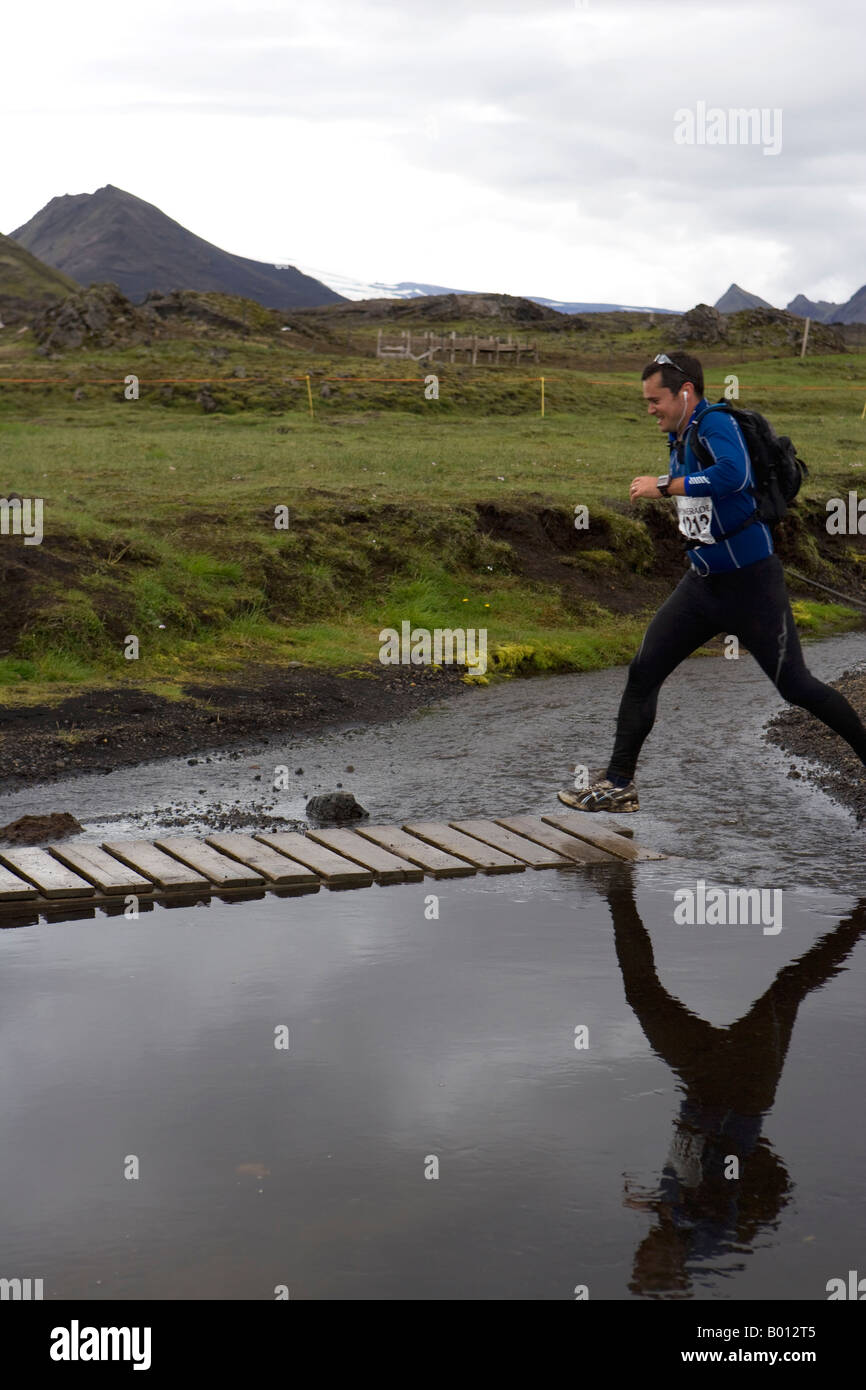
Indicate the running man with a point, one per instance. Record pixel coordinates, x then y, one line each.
733 585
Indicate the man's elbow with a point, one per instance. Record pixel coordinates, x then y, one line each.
729 483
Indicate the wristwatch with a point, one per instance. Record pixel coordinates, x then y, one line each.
663 483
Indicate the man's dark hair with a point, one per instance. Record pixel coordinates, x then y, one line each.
686 368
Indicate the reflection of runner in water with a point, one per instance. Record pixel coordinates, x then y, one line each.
730 1076
734 584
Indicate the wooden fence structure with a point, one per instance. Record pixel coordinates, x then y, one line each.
448 347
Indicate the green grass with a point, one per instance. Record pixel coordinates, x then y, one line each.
168 516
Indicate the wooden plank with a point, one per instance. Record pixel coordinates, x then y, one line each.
582 824
605 819
547 835
109 875
385 866
225 872
13 888
434 862
161 868
52 878
113 903
536 856
276 868
333 868
484 857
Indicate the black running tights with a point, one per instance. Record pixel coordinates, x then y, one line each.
751 604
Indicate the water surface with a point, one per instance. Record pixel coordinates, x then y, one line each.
414 1038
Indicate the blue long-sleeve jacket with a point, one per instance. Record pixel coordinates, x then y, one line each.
717 497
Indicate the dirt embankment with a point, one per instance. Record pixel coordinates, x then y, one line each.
110 729
832 765
624 566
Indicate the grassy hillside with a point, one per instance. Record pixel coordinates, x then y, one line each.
159 512
26 279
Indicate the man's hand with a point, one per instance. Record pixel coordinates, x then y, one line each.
643 487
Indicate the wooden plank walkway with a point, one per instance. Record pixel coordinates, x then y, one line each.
207 861
516 845
574 823
178 869
434 862
386 867
491 861
53 879
336 871
276 868
106 872
155 864
577 851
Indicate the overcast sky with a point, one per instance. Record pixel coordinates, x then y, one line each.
524 146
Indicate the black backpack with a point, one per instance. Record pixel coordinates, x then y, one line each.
778 471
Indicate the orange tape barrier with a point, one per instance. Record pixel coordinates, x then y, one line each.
208 380
369 380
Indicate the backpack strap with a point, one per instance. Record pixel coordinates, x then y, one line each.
700 450
726 535
706 460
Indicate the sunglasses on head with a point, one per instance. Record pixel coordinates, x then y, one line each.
664 361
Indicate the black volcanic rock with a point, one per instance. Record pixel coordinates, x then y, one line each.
703 324
111 235
335 806
96 317
102 317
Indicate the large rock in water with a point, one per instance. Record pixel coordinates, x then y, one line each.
335 806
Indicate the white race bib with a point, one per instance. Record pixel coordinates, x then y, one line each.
695 518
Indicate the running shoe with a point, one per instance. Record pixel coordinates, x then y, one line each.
601 795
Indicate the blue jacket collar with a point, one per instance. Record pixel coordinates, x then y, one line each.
702 405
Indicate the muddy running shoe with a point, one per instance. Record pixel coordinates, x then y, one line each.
601 795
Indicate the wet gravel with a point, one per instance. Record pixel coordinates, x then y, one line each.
104 730
829 763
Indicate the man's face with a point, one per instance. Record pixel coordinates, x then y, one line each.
666 406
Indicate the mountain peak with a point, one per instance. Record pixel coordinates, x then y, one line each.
736 298
113 236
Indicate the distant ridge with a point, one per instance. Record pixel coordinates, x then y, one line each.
852 312
351 288
112 236
821 310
